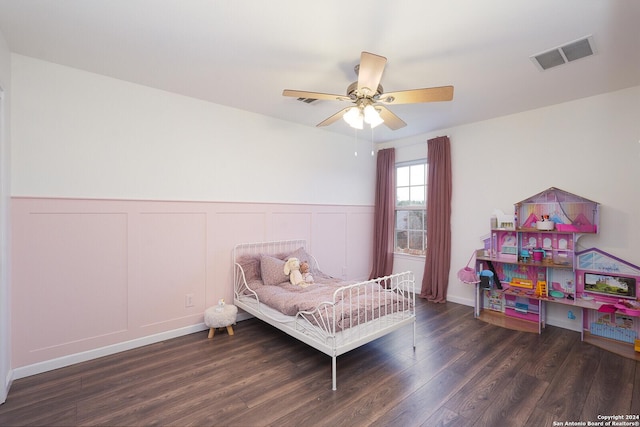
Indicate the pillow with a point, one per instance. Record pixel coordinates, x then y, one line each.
303 255
251 266
272 270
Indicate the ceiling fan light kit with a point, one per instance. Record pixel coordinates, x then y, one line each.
357 116
354 118
368 102
372 116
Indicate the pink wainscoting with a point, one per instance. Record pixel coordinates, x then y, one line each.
89 274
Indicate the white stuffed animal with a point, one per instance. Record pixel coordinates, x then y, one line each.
292 269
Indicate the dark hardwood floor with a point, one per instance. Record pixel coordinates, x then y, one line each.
464 372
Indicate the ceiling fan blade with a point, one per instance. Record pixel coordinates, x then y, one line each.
392 121
370 73
432 94
337 116
314 95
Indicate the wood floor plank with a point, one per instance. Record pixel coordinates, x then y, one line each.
392 389
566 395
371 367
611 391
550 352
300 393
476 357
457 334
540 417
420 405
518 397
635 398
51 414
445 417
48 392
462 372
479 392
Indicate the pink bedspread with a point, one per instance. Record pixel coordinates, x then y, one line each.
368 302
289 299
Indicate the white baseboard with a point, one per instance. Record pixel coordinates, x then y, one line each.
464 301
7 385
61 362
570 325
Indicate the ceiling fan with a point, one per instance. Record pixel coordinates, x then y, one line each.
369 98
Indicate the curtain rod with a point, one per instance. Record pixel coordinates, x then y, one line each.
414 143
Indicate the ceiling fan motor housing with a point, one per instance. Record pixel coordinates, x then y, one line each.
352 92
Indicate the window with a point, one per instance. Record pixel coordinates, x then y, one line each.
411 208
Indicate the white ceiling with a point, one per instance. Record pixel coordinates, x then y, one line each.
243 53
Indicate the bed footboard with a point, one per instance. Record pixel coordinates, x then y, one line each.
361 309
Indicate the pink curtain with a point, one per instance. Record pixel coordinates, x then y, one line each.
438 260
384 214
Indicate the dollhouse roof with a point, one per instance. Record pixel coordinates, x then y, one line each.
555 195
595 259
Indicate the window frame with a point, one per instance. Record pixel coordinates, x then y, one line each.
411 208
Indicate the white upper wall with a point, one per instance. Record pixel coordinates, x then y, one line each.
82 135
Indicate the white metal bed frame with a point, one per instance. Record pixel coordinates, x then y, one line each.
319 328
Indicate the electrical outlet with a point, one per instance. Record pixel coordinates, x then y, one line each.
188 300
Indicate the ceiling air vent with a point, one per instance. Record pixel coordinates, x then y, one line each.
307 100
564 54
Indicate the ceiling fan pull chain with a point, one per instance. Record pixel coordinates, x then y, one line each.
355 142
372 142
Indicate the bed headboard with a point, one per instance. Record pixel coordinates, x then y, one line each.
268 248
245 255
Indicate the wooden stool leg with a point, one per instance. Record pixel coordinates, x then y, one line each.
211 332
230 329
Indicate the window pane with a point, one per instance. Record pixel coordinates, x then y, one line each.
417 175
402 176
416 242
417 195
416 221
402 196
401 241
402 220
